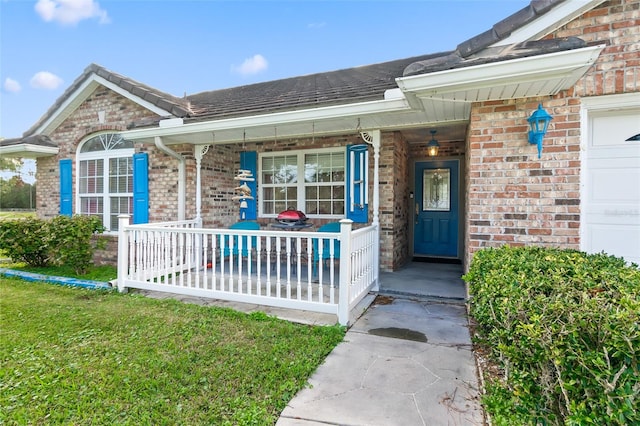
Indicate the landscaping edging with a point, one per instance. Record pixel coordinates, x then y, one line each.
74 282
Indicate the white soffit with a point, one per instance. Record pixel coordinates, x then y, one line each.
27 151
531 76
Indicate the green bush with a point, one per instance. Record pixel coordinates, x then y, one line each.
65 241
563 326
24 240
71 241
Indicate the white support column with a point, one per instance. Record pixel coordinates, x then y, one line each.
374 139
123 251
344 288
199 151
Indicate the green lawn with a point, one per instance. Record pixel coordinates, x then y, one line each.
76 356
9 215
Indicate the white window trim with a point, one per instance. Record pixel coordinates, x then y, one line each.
106 196
300 153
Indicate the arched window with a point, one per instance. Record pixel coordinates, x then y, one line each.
105 178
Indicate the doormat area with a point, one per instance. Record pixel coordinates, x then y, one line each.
436 260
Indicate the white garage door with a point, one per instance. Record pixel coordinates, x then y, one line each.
611 193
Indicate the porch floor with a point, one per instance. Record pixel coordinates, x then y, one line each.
423 280
431 280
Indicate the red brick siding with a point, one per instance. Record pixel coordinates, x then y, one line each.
512 196
80 124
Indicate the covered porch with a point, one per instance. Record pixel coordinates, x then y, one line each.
328 272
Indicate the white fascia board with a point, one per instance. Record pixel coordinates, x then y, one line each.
611 102
276 119
532 68
28 151
549 22
83 91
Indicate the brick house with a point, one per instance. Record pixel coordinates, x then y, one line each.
360 136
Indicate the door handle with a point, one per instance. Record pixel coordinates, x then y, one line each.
417 212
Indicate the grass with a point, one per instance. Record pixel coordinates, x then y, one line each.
77 356
10 215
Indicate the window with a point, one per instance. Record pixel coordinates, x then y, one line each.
105 178
311 181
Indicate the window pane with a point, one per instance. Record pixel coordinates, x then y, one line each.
435 189
120 175
91 205
91 180
325 192
324 207
312 207
322 185
311 192
119 205
106 142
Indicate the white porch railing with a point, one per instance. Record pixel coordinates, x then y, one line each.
313 271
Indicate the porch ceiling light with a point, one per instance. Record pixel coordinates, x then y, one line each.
538 123
433 145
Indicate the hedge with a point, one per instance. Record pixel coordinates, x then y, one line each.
62 240
563 328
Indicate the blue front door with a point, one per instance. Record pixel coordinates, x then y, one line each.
436 209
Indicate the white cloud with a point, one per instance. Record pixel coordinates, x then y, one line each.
11 85
45 80
316 25
254 65
70 12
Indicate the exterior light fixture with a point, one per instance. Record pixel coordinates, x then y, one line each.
433 145
538 123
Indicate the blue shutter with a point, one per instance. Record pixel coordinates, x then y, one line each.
249 161
357 189
140 188
66 188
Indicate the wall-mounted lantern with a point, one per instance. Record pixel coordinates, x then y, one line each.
433 145
538 123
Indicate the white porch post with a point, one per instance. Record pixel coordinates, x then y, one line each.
344 288
123 251
199 151
373 138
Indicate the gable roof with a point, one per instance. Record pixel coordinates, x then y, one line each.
138 91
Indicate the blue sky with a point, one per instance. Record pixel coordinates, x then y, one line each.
192 46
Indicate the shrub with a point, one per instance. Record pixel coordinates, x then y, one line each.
24 240
563 326
63 240
71 241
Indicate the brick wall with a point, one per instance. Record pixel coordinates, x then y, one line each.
617 70
81 123
512 196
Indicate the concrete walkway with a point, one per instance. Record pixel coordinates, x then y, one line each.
406 361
